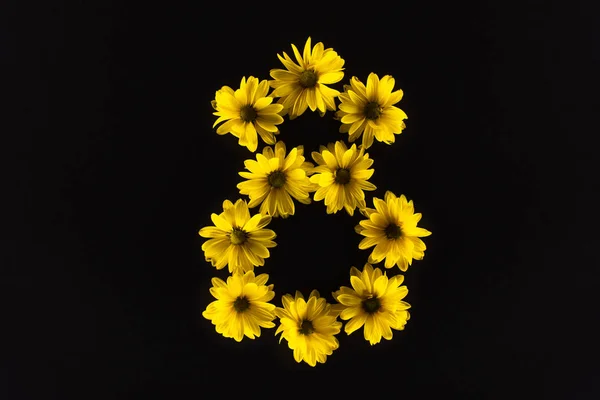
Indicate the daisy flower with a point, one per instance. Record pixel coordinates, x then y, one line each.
374 301
309 327
275 178
246 111
341 176
236 239
242 306
392 228
303 84
370 110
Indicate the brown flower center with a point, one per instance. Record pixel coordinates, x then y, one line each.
373 110
237 236
276 179
393 231
371 305
308 79
342 176
248 113
306 328
241 304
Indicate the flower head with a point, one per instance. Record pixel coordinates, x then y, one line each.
242 306
247 110
275 178
392 228
236 239
374 301
341 177
303 85
371 110
309 327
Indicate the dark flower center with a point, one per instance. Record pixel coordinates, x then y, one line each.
372 110
308 79
241 304
276 179
306 328
342 176
248 113
371 305
393 231
237 236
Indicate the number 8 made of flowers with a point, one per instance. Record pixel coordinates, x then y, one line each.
278 176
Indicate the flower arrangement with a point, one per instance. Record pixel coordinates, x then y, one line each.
278 176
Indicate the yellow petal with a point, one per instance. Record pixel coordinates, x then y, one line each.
380 286
331 77
221 223
349 300
358 285
386 85
251 137
372 86
290 159
350 312
307 50
347 158
355 323
330 160
301 308
212 232
289 64
242 215
394 98
311 99
261 103
326 179
298 57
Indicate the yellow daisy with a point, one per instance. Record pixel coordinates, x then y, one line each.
309 327
341 176
303 85
374 301
242 306
392 229
236 239
371 110
247 111
275 178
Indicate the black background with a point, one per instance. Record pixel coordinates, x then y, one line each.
116 166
